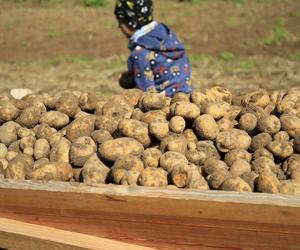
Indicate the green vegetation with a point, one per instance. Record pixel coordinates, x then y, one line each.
95 2
55 34
227 56
56 61
296 57
116 63
194 58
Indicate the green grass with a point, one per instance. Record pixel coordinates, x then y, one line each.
55 34
91 3
296 57
56 61
116 63
198 58
278 36
227 57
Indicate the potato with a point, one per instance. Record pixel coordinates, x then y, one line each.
153 177
196 180
56 171
55 119
111 150
154 116
49 100
233 113
181 175
60 151
281 149
137 114
87 101
213 165
248 122
39 162
290 124
117 108
68 104
152 101
267 182
250 178
135 129
174 142
27 142
10 155
98 107
94 171
291 163
233 139
159 130
236 184
239 167
177 124
195 157
259 112
235 154
216 109
262 152
106 123
15 147
8 132
290 187
83 126
44 131
225 124
127 170
17 168
206 127
3 150
259 98
185 109
25 132
101 135
281 136
216 179
151 157
192 145
29 117
28 151
260 141
290 104
218 94
198 98
190 135
263 163
9 111
207 151
81 150
41 149
133 96
169 160
295 174
269 124
297 144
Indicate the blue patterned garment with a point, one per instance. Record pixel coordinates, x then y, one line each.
158 61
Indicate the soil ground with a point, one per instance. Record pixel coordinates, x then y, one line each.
46 45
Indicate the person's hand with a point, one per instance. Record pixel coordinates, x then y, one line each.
126 80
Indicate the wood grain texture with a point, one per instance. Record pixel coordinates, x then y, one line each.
163 219
21 236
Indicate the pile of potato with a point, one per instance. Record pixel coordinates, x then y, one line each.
206 140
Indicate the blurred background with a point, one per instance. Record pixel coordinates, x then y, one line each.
46 45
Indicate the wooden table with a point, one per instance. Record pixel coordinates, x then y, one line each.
151 217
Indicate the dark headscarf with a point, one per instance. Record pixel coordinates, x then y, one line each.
134 13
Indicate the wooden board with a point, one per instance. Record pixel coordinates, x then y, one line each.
21 236
163 219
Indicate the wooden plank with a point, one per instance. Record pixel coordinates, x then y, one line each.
165 219
21 236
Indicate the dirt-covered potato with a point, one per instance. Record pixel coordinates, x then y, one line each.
135 129
60 151
291 124
196 180
106 123
55 119
39 162
259 112
190 135
181 175
281 149
177 124
226 123
81 150
137 114
281 136
29 117
269 124
87 101
8 112
290 104
152 101
17 168
216 109
236 184
127 170
151 157
263 163
98 107
24 132
248 122
260 141
206 127
68 104
83 126
169 160
250 178
27 142
233 139
94 171
218 94
10 155
213 165
239 167
235 154
15 147
174 142
133 96
41 149
267 182
3 164
153 177
290 187
259 98
159 130
262 152
49 100
101 135
44 131
293 162
28 151
154 116
195 157
297 144
216 179
3 150
56 171
8 132
180 97
111 150
207 150
198 98
117 108
185 109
